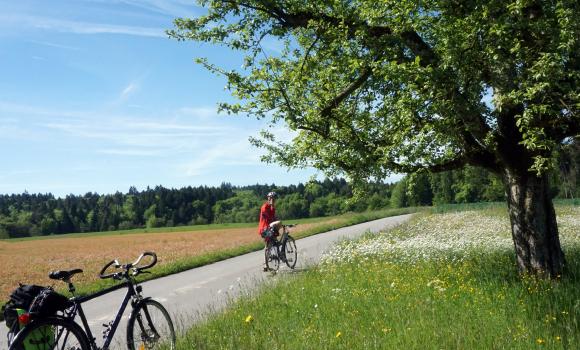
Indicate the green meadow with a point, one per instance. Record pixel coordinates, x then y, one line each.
442 281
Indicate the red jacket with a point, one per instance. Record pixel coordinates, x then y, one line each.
267 215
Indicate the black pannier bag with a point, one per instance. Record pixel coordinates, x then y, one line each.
48 302
39 301
20 298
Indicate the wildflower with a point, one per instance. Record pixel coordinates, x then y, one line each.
386 330
249 319
558 338
540 341
338 335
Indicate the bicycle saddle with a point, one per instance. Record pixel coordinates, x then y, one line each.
63 275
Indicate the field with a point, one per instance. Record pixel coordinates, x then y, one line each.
30 260
443 281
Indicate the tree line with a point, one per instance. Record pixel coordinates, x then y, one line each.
475 184
23 215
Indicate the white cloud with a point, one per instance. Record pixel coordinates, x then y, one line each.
198 112
57 46
130 152
173 8
161 135
136 132
68 26
127 92
228 152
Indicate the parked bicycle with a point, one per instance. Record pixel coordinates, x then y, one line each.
149 325
281 250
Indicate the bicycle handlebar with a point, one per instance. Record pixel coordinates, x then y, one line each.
139 269
102 273
127 267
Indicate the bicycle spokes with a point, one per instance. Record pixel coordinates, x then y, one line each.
151 328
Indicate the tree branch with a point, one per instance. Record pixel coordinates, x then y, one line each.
337 100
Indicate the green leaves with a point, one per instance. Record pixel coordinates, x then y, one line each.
372 87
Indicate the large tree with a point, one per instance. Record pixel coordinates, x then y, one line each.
373 87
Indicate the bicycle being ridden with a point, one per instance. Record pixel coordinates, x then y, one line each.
281 250
149 325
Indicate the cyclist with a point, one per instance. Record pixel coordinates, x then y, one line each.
269 223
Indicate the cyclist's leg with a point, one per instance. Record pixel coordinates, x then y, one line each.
266 254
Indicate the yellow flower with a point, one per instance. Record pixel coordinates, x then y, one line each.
558 338
249 319
540 341
338 334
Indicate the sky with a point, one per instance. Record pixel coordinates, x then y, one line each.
94 97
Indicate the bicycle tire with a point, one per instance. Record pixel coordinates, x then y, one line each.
150 327
271 256
290 252
51 333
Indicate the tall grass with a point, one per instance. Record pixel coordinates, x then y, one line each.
433 284
449 208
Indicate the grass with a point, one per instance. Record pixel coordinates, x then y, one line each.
444 281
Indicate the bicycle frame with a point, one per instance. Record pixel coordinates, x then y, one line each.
132 291
279 244
283 237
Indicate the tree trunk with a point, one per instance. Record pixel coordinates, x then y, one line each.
533 223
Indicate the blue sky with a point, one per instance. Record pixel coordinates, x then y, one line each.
95 98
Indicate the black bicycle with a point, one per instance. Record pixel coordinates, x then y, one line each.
281 250
149 325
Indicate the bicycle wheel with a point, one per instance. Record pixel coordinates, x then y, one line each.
150 327
272 260
51 334
290 252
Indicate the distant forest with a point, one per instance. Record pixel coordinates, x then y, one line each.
23 215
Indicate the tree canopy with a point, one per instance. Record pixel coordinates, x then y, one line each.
374 87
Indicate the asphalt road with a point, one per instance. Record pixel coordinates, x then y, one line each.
191 294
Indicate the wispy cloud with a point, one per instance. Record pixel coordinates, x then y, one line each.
130 152
57 46
77 27
140 136
236 151
173 8
128 91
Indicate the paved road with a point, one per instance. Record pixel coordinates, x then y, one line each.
191 294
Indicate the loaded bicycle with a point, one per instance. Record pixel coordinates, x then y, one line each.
283 250
149 325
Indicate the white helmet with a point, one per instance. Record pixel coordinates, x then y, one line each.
272 195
